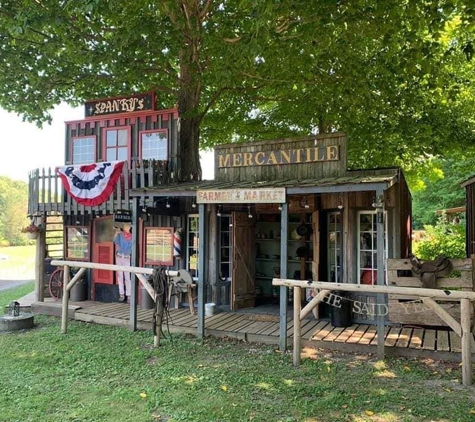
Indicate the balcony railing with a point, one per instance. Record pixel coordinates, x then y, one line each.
47 195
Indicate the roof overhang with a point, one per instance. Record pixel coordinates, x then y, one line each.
359 182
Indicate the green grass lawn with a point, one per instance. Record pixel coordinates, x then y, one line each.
7 296
101 373
20 262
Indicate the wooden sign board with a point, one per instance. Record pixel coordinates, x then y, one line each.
279 157
120 105
241 196
122 216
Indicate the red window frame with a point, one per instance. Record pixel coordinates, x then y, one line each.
76 138
104 141
144 248
86 258
143 132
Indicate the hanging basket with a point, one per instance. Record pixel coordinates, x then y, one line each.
32 235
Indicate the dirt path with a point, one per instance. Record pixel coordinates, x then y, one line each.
9 284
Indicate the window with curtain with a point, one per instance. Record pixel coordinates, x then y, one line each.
158 245
192 245
77 242
225 247
334 247
83 150
154 144
367 247
117 144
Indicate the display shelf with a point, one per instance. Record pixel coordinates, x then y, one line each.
268 243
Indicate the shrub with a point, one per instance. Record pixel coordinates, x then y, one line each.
442 239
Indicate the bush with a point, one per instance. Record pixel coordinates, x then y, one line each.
442 239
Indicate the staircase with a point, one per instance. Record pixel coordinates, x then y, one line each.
54 236
54 233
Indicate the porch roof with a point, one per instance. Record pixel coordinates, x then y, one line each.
353 181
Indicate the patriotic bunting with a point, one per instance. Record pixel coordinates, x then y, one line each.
90 184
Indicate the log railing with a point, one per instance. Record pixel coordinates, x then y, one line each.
46 193
140 272
428 296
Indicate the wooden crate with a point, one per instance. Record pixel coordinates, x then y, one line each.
403 309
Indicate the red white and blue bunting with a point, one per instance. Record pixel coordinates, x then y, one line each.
90 184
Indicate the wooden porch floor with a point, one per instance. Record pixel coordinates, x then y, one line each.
262 328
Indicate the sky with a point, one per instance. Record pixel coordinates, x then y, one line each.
25 147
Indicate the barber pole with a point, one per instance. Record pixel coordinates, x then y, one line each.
177 243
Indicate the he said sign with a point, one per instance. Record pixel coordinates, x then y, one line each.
375 309
241 196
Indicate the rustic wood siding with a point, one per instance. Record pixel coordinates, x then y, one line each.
163 119
285 171
470 216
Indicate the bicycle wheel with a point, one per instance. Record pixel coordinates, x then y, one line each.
56 284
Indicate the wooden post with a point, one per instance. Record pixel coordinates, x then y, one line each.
380 298
135 260
202 257
465 310
297 325
40 253
64 313
284 221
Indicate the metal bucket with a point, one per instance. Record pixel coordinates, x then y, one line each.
210 309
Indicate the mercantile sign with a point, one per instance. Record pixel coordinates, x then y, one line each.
280 156
241 196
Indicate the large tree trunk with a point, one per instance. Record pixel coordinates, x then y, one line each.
190 167
189 95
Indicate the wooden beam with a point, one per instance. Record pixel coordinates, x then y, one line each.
134 261
297 325
363 288
110 267
64 313
313 303
444 315
40 260
147 286
380 297
284 221
77 276
202 257
465 311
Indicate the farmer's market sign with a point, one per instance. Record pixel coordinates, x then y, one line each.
241 196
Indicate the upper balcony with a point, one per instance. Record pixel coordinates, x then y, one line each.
47 195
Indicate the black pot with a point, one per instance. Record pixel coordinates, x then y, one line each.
304 230
302 252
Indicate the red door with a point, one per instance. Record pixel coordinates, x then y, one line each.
103 249
104 254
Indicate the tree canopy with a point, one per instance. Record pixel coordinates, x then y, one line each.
440 188
397 76
13 208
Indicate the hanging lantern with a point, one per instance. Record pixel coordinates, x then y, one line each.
177 244
14 309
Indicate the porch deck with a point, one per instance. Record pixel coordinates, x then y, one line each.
264 328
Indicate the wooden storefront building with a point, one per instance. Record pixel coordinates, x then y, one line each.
282 208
